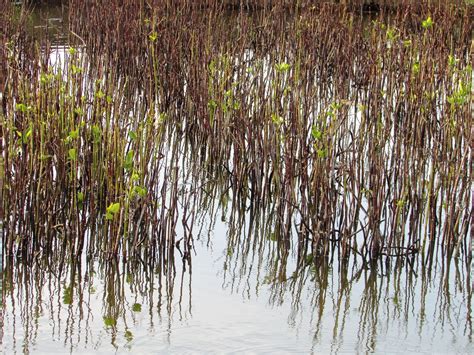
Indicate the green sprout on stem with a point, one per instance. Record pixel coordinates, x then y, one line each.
461 96
96 133
23 108
428 23
112 210
282 67
277 120
153 36
316 133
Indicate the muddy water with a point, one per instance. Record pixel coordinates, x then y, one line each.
239 294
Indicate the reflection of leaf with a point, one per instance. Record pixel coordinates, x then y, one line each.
137 307
128 335
110 321
395 300
67 296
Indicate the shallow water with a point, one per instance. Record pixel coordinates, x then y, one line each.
239 294
215 308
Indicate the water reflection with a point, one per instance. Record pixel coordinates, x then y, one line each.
354 306
49 20
330 306
87 305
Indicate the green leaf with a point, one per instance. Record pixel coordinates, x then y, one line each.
322 153
140 191
212 105
153 36
78 111
137 307
76 69
277 120
22 108
427 23
282 67
316 133
72 154
26 135
99 94
128 163
452 61
74 134
71 51
415 68
96 133
132 135
113 208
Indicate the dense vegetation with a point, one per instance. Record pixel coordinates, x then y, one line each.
337 128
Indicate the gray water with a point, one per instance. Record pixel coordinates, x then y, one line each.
236 303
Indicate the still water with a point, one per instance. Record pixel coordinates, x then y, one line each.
239 294
115 307
234 302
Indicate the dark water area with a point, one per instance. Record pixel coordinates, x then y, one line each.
231 283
